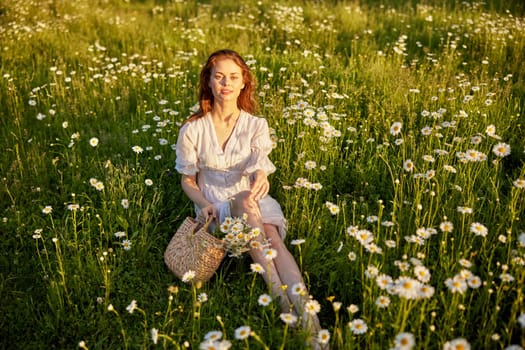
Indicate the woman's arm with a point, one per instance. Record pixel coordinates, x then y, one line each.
190 187
260 185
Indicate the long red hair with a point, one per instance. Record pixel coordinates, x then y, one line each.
246 100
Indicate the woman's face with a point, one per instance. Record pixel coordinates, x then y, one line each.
226 81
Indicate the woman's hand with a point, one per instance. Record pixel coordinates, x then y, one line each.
260 185
208 212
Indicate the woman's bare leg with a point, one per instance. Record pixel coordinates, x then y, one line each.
243 204
290 275
284 272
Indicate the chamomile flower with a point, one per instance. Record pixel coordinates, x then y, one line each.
264 300
457 344
446 226
312 307
519 183
478 229
408 165
404 341
242 332
358 326
501 149
126 244
47 209
269 253
213 335
288 318
188 276
383 301
323 337
395 129
137 149
257 268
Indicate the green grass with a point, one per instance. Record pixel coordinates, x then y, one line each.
333 78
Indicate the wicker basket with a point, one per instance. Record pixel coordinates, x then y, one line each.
192 248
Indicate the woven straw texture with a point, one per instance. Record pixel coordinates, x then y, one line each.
193 248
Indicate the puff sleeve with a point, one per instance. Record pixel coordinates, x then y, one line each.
261 146
186 151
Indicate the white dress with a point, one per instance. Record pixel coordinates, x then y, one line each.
223 174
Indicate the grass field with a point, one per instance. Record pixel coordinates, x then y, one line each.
399 142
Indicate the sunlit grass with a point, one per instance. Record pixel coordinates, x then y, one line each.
398 131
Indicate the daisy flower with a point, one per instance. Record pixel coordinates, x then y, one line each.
478 229
446 226
404 341
310 164
137 149
407 287
464 210
395 129
47 209
257 268
126 244
242 332
519 183
93 142
269 253
312 307
288 318
422 273
383 301
456 284
323 337
213 335
188 276
358 326
457 344
264 300
408 165
501 149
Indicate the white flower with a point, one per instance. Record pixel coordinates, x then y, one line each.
125 203
478 229
269 253
288 318
323 337
148 182
47 209
257 268
456 344
126 244
213 335
501 149
404 341
154 335
137 149
188 276
93 142
312 307
395 129
521 320
242 332
358 326
264 300
408 165
132 306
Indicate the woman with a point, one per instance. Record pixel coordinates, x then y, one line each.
222 154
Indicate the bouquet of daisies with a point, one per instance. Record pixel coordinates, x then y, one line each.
239 237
